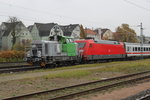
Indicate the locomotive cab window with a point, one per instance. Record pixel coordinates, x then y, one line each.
71 40
81 45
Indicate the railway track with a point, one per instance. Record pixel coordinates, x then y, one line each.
9 69
12 62
85 88
147 97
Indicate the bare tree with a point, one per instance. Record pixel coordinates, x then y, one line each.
14 21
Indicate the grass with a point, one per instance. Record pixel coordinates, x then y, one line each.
117 66
123 67
69 74
129 67
76 72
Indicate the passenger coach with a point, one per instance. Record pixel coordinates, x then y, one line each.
137 50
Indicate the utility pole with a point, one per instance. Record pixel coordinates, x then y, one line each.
141 37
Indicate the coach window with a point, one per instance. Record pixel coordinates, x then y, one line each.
139 49
128 49
146 49
142 48
135 48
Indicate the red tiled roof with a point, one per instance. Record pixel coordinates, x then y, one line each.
89 31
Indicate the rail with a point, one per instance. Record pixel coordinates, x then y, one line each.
92 87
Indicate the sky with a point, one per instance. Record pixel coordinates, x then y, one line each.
90 13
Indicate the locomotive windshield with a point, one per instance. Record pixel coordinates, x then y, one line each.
38 46
81 45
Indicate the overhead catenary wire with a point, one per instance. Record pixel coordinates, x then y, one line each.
139 6
58 16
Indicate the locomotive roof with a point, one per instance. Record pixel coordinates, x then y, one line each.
102 41
107 42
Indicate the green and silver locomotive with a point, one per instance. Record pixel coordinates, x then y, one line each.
58 50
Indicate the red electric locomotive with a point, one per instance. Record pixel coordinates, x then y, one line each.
97 50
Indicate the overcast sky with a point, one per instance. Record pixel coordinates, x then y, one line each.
91 13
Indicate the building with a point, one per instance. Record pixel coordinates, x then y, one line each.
72 30
104 34
22 34
91 34
42 31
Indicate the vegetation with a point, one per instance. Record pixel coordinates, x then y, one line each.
69 74
11 56
14 30
129 67
82 33
124 67
125 34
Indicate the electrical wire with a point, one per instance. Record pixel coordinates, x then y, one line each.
141 7
48 13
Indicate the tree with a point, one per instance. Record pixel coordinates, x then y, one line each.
82 33
14 30
125 34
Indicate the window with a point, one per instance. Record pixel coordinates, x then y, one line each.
81 45
139 49
128 49
46 48
146 49
39 46
133 49
136 49
71 40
